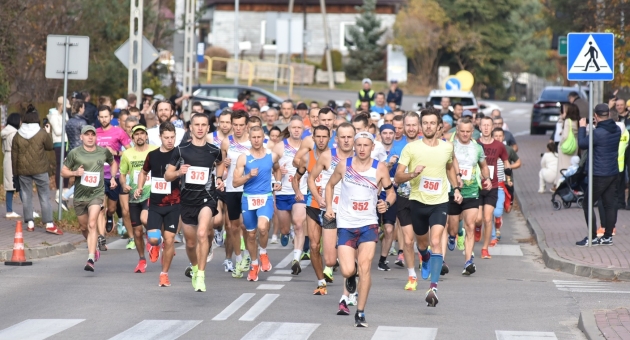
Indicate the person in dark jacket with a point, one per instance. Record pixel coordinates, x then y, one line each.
395 94
582 105
75 124
91 112
605 171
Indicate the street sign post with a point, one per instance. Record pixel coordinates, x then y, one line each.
59 68
590 57
149 54
562 46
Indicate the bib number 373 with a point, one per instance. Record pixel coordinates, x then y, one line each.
197 175
431 185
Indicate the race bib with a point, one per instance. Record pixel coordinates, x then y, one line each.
466 172
90 179
318 180
160 186
491 168
430 185
136 175
197 175
256 201
360 205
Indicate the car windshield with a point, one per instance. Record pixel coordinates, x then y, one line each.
554 96
466 101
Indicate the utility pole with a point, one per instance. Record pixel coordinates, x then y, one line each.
236 47
331 81
189 52
134 80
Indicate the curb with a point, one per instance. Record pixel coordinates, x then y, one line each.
554 261
40 252
588 326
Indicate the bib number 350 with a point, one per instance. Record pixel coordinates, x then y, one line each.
431 185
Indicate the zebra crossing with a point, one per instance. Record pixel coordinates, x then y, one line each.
39 329
588 287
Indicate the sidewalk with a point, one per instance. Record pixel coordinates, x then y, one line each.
612 324
37 244
557 231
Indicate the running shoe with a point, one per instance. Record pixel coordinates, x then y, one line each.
54 230
120 228
228 267
431 297
178 238
154 252
343 308
400 261
451 243
188 271
351 284
494 242
445 269
141 267
265 265
200 282
109 224
412 283
274 239
328 274
253 273
12 214
477 233
321 290
306 256
131 243
352 299
425 270
89 266
284 240
392 251
485 254
295 267
218 238
383 266
102 243
359 320
248 260
469 267
239 269
604 241
460 241
498 222
164 281
30 226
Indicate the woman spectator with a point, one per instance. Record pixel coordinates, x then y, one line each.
11 184
548 167
57 117
569 119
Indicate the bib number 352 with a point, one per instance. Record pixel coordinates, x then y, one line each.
431 185
360 205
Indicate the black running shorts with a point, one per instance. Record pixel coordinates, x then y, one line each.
424 216
166 215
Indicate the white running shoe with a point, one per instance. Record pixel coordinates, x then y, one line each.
274 239
352 299
228 266
13 214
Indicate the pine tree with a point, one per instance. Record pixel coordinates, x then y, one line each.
367 55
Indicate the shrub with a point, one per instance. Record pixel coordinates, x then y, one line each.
337 64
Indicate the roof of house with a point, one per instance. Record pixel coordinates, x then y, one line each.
305 2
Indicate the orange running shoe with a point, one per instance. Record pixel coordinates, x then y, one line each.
485 254
494 242
265 265
154 253
600 231
141 267
164 281
477 233
253 273
321 290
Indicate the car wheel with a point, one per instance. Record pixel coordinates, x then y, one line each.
536 131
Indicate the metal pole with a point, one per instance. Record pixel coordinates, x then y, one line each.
236 49
134 81
63 124
590 166
331 81
189 53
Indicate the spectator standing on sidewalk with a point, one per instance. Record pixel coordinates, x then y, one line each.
606 139
548 167
366 94
395 94
574 98
57 116
11 184
30 163
569 120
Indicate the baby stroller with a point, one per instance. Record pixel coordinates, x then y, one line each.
570 191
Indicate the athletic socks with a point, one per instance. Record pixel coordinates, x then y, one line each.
296 254
91 257
344 298
263 251
239 258
435 265
255 262
321 282
412 272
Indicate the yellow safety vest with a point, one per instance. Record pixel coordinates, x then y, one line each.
623 144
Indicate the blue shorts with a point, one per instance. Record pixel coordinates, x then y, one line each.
286 202
250 217
353 237
112 194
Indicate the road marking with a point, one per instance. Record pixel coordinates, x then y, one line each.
233 307
279 278
521 133
587 287
402 333
259 307
281 331
285 261
269 286
158 329
517 335
506 250
283 272
35 329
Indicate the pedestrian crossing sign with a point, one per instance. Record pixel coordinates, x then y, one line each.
591 56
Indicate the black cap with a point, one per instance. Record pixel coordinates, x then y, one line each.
254 106
302 106
332 104
602 109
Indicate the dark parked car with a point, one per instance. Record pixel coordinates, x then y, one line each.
211 96
547 109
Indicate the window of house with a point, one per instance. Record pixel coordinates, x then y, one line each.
264 41
345 40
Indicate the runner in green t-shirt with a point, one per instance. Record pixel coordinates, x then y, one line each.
85 164
131 164
472 163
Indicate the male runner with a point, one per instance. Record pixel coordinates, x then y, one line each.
257 201
290 200
164 110
193 164
472 163
430 164
86 165
361 123
388 219
113 138
131 164
326 118
163 201
493 150
357 225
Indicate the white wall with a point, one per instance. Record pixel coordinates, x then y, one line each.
250 24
